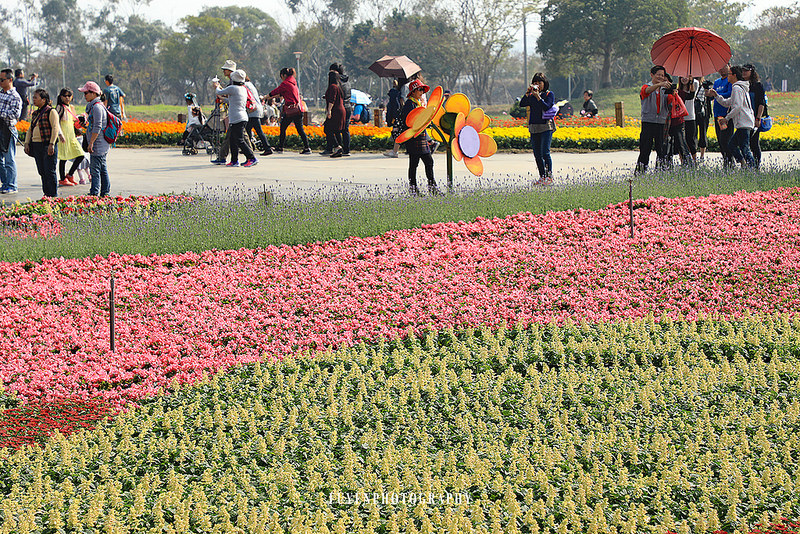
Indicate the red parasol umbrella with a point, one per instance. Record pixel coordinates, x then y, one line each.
691 52
394 67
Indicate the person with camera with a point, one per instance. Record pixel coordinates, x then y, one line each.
739 115
589 107
236 95
541 125
702 113
22 85
419 147
687 90
655 111
722 87
676 123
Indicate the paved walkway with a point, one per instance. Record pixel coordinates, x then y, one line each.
150 171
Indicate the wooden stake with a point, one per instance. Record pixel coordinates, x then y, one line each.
112 316
630 202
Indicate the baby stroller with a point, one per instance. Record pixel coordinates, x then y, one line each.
198 137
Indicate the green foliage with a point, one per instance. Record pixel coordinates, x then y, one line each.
517 111
577 32
642 426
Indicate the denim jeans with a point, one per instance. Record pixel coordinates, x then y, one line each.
8 167
739 146
540 143
46 167
101 183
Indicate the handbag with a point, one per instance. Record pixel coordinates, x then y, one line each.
766 124
290 110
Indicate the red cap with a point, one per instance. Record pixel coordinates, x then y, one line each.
90 87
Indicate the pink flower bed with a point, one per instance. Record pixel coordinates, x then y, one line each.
178 315
25 226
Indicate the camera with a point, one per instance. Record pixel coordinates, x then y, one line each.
707 84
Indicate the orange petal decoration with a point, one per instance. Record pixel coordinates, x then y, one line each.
475 119
461 121
420 118
458 103
474 165
488 146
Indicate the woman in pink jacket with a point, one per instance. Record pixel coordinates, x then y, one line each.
291 112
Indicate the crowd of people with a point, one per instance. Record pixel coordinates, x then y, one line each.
675 119
52 137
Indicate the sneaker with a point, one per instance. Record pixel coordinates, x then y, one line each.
326 152
277 150
345 154
337 154
306 151
218 161
267 152
65 183
83 181
233 164
71 179
250 162
391 154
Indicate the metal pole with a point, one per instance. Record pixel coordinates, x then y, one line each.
111 309
630 202
525 47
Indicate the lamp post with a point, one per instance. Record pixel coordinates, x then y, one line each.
297 56
63 54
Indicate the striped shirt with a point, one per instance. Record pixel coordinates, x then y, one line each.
10 107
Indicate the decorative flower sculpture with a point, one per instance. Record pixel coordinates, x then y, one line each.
460 126
420 118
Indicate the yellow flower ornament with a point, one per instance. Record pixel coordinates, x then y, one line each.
463 125
420 118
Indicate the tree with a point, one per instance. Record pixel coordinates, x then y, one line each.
775 41
580 32
193 56
134 57
426 39
721 17
257 49
486 36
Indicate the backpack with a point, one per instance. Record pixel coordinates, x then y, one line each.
366 116
113 128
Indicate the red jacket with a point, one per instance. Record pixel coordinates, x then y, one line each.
288 90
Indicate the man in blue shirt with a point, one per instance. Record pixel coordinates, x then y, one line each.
723 88
115 98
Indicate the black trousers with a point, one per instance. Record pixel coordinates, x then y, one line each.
62 167
679 145
46 167
297 120
236 135
413 163
702 131
724 137
348 112
651 137
755 147
254 123
690 128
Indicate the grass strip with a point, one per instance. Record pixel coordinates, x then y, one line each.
641 426
239 221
